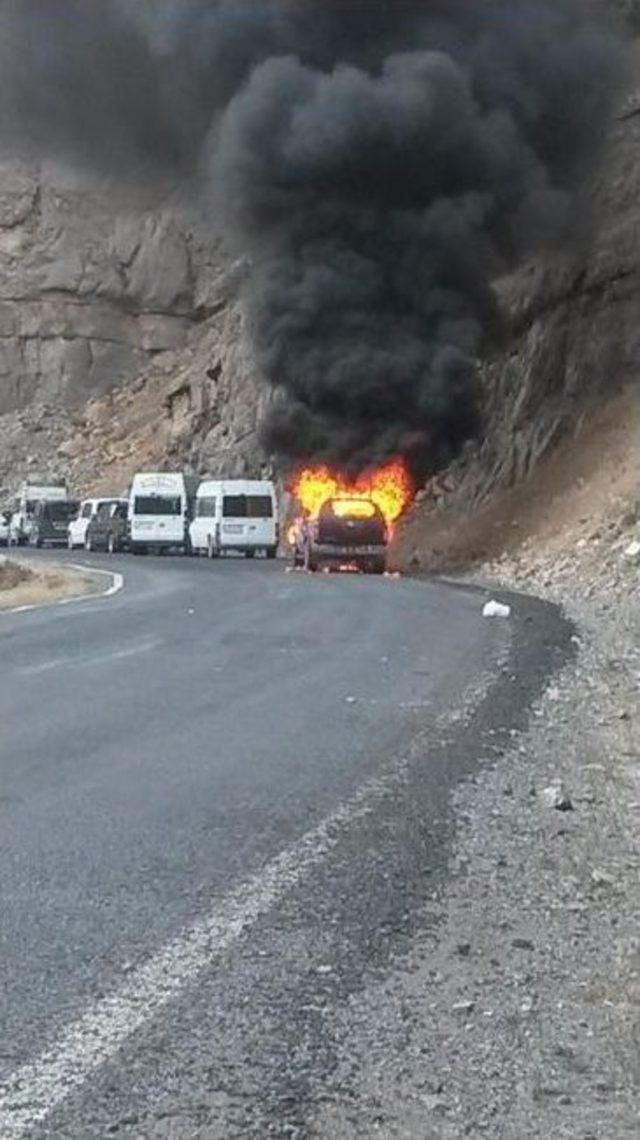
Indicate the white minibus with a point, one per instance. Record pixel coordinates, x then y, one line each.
235 515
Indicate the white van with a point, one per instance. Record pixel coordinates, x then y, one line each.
21 527
235 515
160 512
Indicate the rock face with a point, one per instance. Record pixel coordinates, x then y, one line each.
87 295
573 334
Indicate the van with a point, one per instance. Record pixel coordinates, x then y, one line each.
50 522
160 510
235 515
31 493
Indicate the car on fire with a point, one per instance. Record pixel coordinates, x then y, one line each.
348 533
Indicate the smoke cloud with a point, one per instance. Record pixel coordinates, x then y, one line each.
379 162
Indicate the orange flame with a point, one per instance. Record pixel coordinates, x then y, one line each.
389 487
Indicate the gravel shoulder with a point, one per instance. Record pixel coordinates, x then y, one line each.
24 584
516 1013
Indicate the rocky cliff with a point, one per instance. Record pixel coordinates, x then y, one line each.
88 293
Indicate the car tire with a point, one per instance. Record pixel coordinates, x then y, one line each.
249 553
272 551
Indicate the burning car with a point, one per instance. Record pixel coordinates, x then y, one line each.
348 524
348 533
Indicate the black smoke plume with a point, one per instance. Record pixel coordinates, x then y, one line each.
379 162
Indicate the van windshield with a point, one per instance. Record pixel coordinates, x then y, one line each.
157 505
60 512
206 508
247 507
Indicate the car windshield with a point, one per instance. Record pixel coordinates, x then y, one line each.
247 507
158 505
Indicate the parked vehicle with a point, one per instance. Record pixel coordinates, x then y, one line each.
50 524
78 527
5 523
235 515
347 532
160 510
31 493
109 528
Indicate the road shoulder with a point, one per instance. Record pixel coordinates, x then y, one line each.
25 584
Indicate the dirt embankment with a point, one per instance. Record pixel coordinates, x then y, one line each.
24 585
574 518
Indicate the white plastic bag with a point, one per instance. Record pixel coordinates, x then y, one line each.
496 610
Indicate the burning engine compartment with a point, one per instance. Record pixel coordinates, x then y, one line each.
346 524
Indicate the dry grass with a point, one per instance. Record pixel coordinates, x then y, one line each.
25 585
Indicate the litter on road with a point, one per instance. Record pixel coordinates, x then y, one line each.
496 610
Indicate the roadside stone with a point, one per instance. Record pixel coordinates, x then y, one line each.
463 1007
602 878
556 796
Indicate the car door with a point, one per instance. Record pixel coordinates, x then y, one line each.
78 528
100 526
117 525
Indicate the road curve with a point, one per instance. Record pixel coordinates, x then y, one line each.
223 795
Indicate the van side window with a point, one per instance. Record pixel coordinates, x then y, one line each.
247 507
120 511
259 507
86 510
206 508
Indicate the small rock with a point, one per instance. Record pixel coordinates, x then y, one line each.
602 878
522 944
632 552
464 949
350 700
464 1007
556 796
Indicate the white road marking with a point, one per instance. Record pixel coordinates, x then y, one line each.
90 662
117 580
37 1089
116 585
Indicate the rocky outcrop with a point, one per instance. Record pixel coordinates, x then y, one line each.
573 327
88 292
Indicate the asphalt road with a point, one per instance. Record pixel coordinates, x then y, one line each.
223 799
